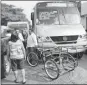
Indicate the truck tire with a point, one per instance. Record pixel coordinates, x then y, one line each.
7 65
86 51
78 55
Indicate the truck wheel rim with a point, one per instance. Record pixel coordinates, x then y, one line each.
7 66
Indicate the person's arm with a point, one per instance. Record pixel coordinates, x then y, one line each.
21 37
24 51
35 39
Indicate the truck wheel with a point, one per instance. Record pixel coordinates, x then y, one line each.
7 65
86 51
78 55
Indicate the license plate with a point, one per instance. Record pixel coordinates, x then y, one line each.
64 49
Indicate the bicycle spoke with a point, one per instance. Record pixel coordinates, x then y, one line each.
68 62
51 69
32 59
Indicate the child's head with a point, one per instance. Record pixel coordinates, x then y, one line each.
14 36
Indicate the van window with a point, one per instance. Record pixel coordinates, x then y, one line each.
58 15
47 16
69 16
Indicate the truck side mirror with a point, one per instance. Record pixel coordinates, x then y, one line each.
32 16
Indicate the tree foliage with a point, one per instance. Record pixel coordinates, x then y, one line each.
11 13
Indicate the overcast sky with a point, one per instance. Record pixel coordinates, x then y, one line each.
26 5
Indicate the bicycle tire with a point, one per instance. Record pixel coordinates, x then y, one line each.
32 59
47 69
68 62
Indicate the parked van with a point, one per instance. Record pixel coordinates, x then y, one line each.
59 24
18 25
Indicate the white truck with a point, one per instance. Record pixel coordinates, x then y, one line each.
59 24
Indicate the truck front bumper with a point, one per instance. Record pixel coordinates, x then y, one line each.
71 48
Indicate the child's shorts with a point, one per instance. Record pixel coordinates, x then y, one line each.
17 64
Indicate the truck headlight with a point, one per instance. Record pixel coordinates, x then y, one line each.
84 36
44 39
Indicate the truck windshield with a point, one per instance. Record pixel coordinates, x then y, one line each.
61 15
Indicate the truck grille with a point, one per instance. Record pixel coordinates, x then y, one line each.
64 39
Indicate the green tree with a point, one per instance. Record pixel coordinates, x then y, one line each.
11 13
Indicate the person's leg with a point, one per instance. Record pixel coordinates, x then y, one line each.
15 74
25 44
39 54
21 67
27 50
23 74
30 49
14 68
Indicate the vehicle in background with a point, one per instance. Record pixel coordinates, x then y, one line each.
18 25
86 46
5 62
58 24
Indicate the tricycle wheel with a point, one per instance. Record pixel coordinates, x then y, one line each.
32 59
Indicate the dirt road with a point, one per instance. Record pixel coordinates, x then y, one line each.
37 75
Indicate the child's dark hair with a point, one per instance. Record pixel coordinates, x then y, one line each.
14 36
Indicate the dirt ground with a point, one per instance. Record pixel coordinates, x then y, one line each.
37 75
